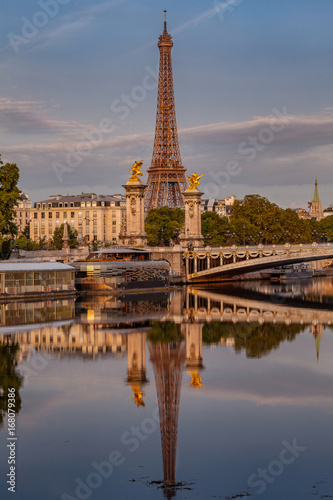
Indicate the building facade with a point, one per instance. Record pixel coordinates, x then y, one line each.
222 207
22 216
95 217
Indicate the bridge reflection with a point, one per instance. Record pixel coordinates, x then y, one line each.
173 327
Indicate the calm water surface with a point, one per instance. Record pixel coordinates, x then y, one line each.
200 393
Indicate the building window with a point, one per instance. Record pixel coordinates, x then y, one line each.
57 222
50 215
87 214
95 222
36 224
43 223
43 215
72 214
36 230
94 203
114 222
114 229
114 213
94 214
35 215
72 204
66 204
50 223
80 222
80 215
87 222
60 205
49 205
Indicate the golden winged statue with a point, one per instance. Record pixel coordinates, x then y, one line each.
135 171
194 181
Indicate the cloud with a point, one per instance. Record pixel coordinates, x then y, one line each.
302 146
218 8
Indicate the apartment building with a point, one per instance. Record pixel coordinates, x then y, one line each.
95 217
222 207
22 215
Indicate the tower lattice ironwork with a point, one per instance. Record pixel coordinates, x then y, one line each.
166 175
168 361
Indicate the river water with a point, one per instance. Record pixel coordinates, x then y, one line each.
199 393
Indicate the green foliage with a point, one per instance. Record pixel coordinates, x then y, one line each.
9 377
9 196
326 226
255 339
6 249
161 225
164 333
275 224
26 231
213 229
59 233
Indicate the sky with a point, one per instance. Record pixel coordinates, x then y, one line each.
253 93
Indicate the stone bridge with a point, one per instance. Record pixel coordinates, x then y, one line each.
209 264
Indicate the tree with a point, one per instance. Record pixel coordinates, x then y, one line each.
214 228
163 224
9 378
59 233
9 196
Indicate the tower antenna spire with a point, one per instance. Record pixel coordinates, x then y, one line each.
165 22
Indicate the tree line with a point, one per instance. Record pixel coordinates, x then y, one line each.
254 220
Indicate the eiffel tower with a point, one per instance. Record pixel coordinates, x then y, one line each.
166 175
168 361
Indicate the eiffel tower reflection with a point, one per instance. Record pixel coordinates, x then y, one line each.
167 354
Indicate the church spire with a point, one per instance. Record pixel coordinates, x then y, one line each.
316 195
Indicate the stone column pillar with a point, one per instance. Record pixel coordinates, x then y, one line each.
134 231
192 227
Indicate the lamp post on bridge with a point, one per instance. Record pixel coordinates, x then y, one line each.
261 235
287 236
227 235
244 234
314 236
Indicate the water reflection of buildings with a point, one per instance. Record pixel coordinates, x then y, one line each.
116 327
